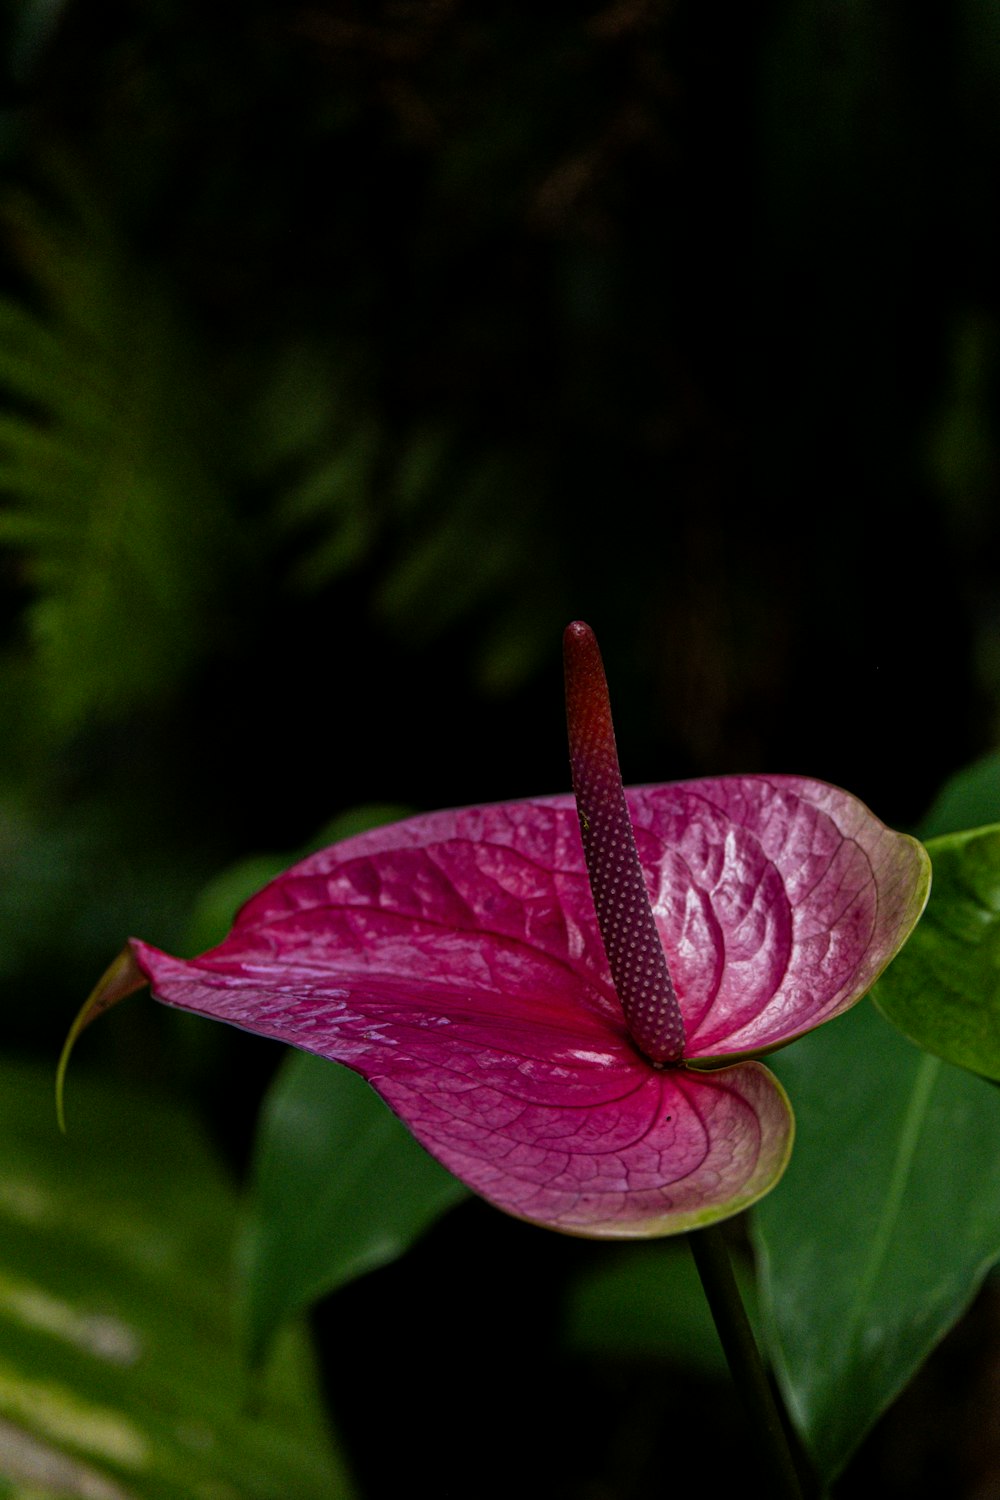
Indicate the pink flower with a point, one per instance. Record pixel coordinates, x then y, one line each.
592 1076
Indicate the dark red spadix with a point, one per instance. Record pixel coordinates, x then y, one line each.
624 914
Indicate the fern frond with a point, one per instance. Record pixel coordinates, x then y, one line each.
106 488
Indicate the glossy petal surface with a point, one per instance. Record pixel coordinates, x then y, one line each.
454 961
778 900
563 1125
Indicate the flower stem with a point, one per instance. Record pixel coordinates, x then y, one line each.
711 1256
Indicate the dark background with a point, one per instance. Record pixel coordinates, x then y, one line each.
349 351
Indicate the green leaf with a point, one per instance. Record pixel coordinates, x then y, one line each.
943 990
339 1188
220 900
967 800
121 1375
645 1301
883 1227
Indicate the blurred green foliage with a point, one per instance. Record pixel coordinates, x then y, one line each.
121 1374
347 352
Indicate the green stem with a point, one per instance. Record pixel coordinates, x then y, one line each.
711 1256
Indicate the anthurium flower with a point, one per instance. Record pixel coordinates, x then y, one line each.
562 998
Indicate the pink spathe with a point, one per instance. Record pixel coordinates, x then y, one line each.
454 960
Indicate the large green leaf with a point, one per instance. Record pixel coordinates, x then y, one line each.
943 991
121 1376
340 1187
968 799
883 1227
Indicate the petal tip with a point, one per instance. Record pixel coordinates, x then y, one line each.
122 978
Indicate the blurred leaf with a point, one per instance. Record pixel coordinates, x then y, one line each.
322 449
422 469
332 502
356 820
883 1227
962 447
75 879
33 24
120 1373
515 647
339 1188
943 990
464 525
222 898
457 554
969 799
645 1301
122 528
303 396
